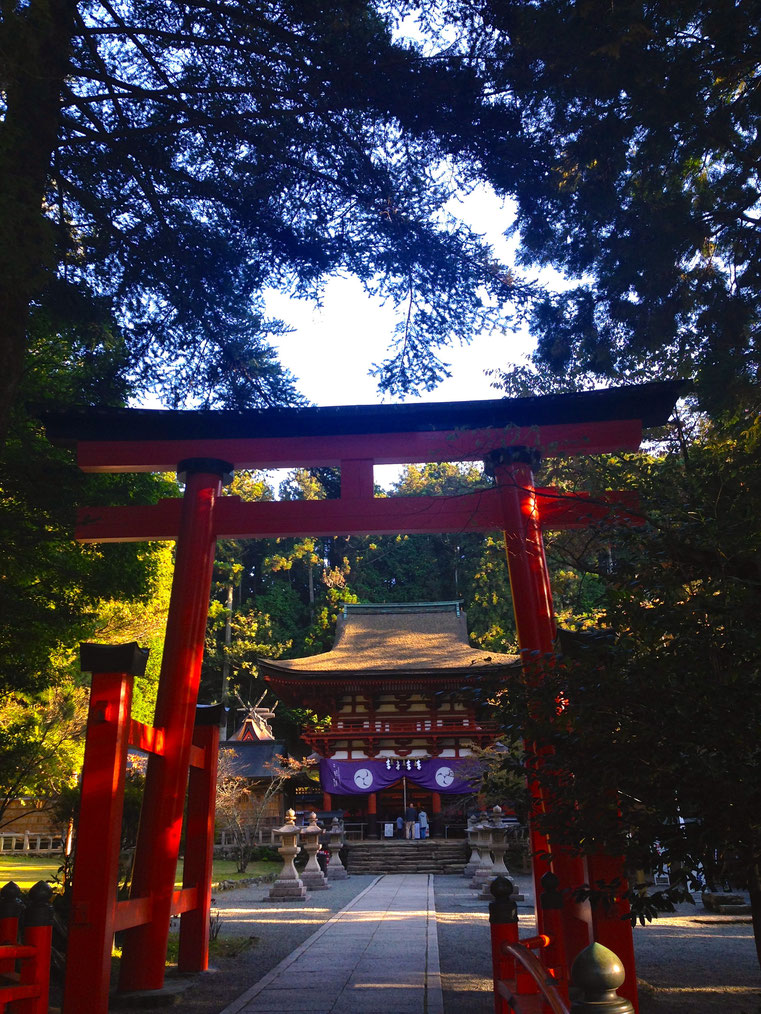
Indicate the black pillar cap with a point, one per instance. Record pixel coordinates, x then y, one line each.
129 658
510 456
39 910
216 466
209 714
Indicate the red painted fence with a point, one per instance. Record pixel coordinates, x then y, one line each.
25 963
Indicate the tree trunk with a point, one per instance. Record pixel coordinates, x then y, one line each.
36 41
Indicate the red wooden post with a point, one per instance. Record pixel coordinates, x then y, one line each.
535 623
503 926
38 933
96 864
199 850
11 907
554 958
144 950
327 801
610 929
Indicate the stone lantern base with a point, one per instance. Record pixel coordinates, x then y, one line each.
315 881
287 890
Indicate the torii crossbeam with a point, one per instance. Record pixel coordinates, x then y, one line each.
204 447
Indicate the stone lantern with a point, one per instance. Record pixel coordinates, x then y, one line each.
485 871
498 846
288 886
336 869
312 876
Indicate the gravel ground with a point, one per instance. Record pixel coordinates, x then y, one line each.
688 963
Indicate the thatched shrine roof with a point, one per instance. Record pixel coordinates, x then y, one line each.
403 640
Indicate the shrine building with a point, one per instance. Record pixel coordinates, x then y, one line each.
398 696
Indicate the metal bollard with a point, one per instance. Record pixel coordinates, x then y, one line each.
503 923
597 973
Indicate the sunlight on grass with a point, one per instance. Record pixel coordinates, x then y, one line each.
27 870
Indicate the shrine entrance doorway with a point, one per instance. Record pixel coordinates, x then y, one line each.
391 802
204 448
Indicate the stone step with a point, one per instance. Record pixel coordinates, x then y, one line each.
427 856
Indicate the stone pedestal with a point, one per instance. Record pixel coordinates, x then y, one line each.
288 886
336 869
312 876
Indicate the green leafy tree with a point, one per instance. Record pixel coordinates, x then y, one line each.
121 620
176 159
54 592
628 136
420 568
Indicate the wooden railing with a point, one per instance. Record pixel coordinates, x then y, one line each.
540 977
264 835
395 726
29 841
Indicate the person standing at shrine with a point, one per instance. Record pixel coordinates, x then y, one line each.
410 817
423 821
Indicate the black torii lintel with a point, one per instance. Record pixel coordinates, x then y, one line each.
134 439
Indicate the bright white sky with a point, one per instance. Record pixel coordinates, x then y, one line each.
332 348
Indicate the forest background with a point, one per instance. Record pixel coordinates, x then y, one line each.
162 165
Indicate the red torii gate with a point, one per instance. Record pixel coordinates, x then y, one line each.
204 447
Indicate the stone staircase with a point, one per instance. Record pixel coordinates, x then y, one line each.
432 855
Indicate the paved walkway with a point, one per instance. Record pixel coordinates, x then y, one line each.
379 954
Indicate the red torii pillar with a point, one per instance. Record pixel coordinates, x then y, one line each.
158 845
535 624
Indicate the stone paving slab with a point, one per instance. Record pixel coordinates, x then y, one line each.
378 955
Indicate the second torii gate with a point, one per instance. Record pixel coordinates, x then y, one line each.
204 448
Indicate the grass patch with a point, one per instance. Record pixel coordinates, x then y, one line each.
221 947
225 869
26 870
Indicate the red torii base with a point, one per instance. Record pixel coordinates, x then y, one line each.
355 438
96 912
